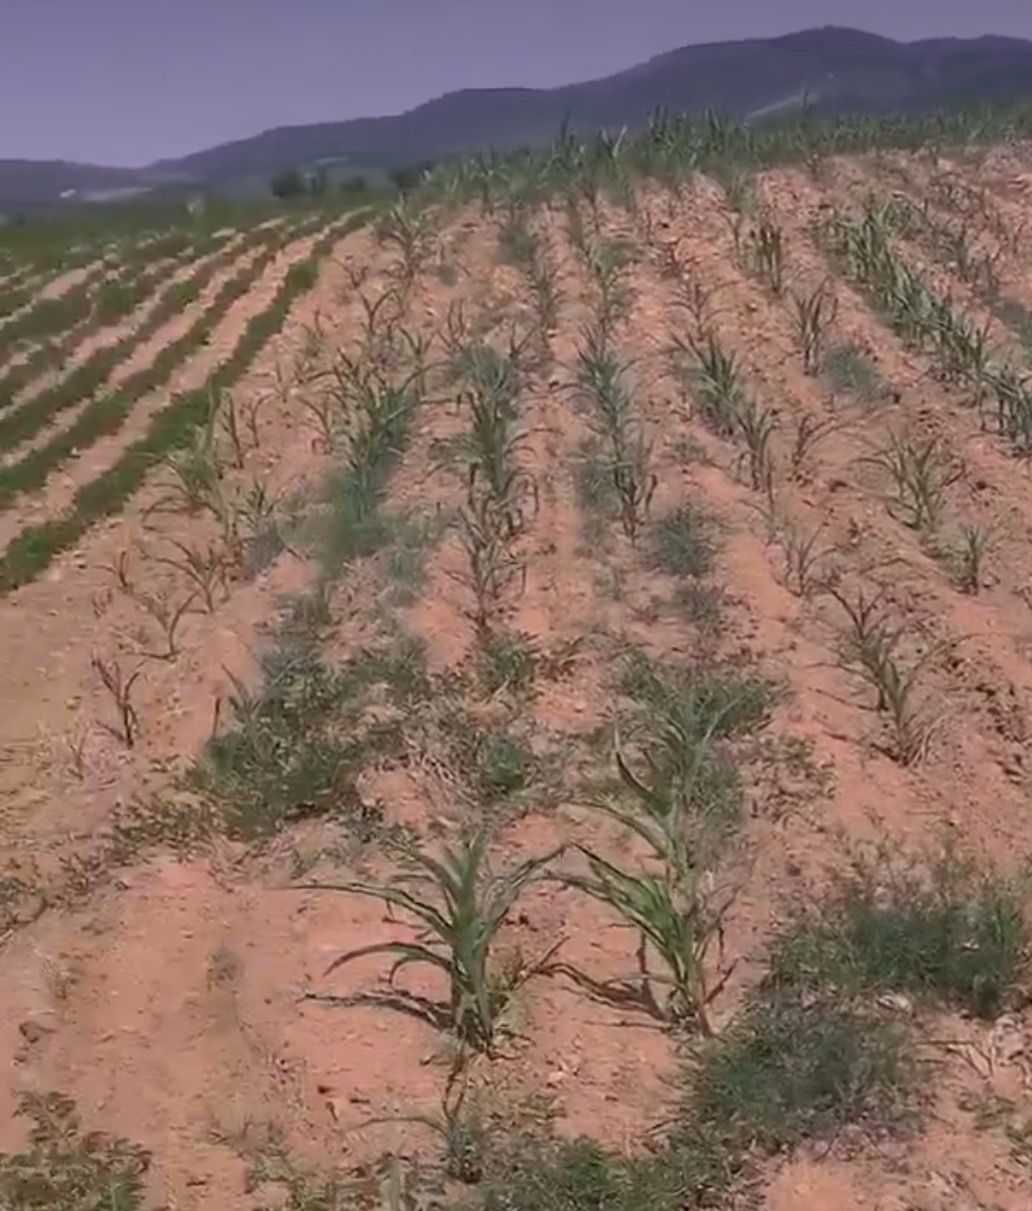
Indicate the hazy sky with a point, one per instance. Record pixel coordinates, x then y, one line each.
129 81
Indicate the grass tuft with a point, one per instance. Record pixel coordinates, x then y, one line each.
682 544
950 935
786 1072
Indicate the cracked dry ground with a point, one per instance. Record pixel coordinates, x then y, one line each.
160 964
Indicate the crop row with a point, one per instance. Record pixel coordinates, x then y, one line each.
35 547
108 302
88 378
105 414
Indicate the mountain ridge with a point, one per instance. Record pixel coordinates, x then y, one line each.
842 70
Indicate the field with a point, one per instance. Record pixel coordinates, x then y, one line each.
518 696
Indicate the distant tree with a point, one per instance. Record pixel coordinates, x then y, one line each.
289 184
408 176
318 182
356 184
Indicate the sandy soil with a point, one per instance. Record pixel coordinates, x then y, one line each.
169 996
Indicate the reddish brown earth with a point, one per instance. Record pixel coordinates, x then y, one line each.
165 994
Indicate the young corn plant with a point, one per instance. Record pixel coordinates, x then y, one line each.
490 444
815 316
168 614
810 431
873 648
969 557
602 380
922 473
803 560
768 256
678 920
608 265
756 426
459 906
206 568
406 231
120 690
718 386
671 904
491 567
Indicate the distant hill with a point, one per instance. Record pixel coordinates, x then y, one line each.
841 70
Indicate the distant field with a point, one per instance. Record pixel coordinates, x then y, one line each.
518 696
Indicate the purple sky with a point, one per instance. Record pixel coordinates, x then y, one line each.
129 81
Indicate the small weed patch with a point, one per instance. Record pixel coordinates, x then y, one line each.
785 1073
952 935
682 543
65 1169
850 371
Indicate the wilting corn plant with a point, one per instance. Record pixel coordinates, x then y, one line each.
768 252
459 906
969 556
922 473
120 689
815 315
206 568
756 426
803 558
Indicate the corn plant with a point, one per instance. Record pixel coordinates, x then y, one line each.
810 431
120 689
677 919
873 648
459 906
922 473
492 569
602 380
608 266
768 252
969 557
490 445
206 568
168 614
407 231
815 316
717 382
196 471
671 903
756 426
803 557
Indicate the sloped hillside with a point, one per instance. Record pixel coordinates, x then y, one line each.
521 700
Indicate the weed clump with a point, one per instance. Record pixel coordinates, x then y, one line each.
951 935
786 1072
63 1169
682 543
297 744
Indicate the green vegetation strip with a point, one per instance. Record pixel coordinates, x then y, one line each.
33 550
86 380
49 316
89 377
110 301
105 414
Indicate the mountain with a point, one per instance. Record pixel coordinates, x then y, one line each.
841 70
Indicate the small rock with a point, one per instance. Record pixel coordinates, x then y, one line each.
32 1030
